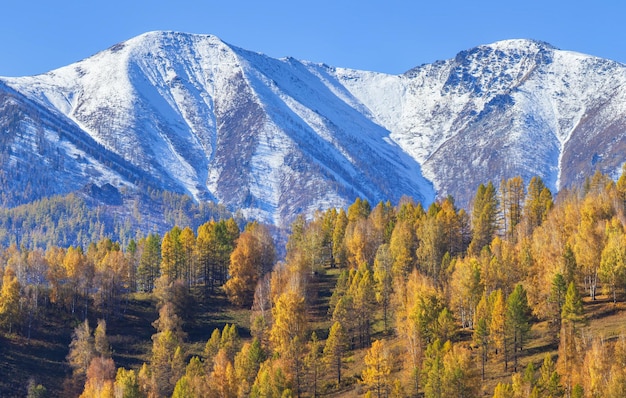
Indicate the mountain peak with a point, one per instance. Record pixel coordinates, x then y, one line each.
165 35
275 138
520 44
166 38
512 50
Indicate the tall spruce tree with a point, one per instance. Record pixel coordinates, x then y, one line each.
335 348
517 319
484 217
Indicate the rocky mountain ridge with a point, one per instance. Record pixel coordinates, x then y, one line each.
277 137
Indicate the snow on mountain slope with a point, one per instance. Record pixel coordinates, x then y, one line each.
133 87
225 124
515 107
277 137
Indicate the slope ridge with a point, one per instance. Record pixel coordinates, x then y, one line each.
276 137
495 111
229 125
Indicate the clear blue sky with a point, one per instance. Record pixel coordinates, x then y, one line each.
387 36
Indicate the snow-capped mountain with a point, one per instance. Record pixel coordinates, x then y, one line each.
516 107
276 137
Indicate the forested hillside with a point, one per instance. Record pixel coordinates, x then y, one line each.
76 219
520 296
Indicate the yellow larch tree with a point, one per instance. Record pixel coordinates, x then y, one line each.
288 333
497 326
335 349
253 256
376 375
9 300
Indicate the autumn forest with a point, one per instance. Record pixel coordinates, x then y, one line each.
521 295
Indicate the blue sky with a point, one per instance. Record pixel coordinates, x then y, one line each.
389 36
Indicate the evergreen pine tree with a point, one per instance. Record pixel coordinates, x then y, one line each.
517 318
335 348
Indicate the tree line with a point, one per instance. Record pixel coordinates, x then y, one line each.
78 220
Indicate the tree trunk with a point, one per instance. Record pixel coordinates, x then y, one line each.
515 351
338 370
385 315
506 354
484 360
591 281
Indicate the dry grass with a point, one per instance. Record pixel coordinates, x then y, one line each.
606 319
43 356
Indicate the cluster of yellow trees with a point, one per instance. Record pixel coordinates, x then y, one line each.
100 277
412 285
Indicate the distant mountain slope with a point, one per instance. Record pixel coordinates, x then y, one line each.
277 137
515 107
221 123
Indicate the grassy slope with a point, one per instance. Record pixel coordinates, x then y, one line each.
43 356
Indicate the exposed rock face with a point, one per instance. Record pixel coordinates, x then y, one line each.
192 114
